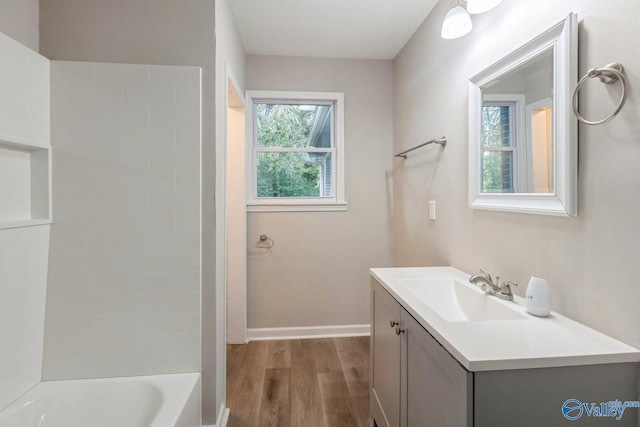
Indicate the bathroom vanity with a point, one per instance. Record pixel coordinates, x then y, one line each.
445 354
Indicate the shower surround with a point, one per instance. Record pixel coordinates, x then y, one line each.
24 251
123 295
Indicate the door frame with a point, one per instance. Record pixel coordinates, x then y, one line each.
226 75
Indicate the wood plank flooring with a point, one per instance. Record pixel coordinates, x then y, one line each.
299 383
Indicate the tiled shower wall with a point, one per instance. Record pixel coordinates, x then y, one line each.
24 114
123 295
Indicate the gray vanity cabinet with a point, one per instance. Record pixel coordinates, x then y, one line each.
415 382
385 358
437 389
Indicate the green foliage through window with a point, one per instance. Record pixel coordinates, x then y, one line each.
288 164
287 175
497 149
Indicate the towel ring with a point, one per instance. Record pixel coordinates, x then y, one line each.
609 74
264 242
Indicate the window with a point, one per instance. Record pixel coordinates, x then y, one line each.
296 155
501 143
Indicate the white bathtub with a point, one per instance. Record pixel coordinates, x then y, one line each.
152 401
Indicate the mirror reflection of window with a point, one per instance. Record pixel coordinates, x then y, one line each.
498 147
503 143
516 129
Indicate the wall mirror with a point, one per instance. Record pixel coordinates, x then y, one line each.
522 133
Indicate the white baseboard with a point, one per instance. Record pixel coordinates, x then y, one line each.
303 332
223 417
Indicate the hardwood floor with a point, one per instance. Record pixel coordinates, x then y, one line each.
299 383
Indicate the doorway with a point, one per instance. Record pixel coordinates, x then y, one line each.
236 216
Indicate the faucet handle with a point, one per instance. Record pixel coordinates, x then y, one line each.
486 275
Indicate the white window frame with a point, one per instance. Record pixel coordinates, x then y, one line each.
291 204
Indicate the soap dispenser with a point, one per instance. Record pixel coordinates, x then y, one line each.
538 300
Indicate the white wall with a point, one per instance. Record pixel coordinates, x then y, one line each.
24 113
591 260
229 48
230 63
124 276
317 272
19 20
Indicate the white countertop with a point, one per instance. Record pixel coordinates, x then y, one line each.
531 342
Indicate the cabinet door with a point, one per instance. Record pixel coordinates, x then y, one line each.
438 389
535 397
385 358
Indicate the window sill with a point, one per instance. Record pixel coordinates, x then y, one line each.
298 207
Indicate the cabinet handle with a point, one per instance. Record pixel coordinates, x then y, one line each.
393 323
400 331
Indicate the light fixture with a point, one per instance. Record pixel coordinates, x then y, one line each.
456 23
480 6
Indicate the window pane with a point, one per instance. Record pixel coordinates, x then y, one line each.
495 127
497 172
294 125
295 175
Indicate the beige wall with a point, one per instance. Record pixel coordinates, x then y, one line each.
163 32
19 20
591 260
317 272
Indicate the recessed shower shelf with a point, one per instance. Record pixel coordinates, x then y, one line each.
25 182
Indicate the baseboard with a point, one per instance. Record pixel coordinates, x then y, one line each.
303 332
223 417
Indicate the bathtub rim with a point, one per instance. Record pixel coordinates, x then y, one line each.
181 396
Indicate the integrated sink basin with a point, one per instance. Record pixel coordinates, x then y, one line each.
484 333
456 301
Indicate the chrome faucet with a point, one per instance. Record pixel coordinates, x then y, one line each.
485 281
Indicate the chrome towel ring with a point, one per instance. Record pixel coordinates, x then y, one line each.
608 74
264 242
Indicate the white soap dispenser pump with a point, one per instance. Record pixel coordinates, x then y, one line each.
538 300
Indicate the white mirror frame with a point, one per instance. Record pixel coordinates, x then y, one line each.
563 39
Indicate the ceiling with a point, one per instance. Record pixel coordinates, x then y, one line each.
372 29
